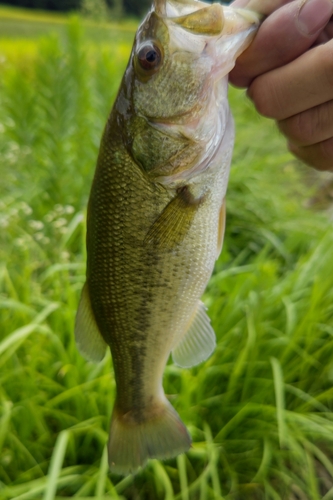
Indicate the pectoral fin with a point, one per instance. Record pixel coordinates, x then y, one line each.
171 227
88 338
199 341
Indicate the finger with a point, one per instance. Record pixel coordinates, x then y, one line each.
326 35
310 127
329 29
303 84
282 37
322 38
319 156
265 8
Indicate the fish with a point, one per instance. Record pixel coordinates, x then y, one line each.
156 218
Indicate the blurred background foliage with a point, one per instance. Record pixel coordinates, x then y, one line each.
260 409
109 8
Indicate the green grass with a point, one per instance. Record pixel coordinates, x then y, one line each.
31 24
260 409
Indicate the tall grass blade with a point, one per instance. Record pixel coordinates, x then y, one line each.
280 402
6 407
164 479
181 462
56 465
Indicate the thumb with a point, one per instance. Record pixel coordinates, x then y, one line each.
286 34
265 7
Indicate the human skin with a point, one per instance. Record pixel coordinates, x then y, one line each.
288 71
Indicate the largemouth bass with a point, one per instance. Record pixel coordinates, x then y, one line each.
156 217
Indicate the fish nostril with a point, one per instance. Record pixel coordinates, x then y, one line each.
205 49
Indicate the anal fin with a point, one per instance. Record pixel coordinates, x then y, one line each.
199 341
89 340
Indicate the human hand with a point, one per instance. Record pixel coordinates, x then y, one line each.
288 70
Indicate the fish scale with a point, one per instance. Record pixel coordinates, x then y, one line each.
156 219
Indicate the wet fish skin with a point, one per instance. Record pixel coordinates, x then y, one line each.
156 218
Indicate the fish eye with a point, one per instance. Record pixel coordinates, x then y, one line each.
149 56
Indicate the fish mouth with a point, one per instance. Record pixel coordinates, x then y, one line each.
210 31
219 32
218 20
206 19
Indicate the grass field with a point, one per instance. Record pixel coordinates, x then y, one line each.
260 409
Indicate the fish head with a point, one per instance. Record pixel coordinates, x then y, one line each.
182 51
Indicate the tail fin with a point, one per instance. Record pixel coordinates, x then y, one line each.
131 443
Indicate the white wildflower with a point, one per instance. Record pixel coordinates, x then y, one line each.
59 209
20 242
13 212
37 225
4 222
60 222
69 209
26 209
49 217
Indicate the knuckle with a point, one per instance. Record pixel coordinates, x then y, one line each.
326 154
318 156
325 54
304 129
300 128
265 93
261 103
263 108
293 149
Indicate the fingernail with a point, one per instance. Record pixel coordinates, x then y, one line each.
314 15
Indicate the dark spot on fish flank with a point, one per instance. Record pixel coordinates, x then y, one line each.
137 336
138 352
137 355
147 293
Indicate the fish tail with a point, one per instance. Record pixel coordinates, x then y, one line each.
157 433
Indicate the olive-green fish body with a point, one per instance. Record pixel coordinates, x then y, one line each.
156 218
